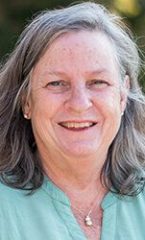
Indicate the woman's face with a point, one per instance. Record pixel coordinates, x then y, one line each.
76 101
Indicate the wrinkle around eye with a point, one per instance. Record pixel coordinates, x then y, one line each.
58 86
98 84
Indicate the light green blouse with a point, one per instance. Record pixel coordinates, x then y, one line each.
46 215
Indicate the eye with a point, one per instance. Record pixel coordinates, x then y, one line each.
97 83
58 86
55 83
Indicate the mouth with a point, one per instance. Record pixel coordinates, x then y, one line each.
77 126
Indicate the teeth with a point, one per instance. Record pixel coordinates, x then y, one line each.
76 125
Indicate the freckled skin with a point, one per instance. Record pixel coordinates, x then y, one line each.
76 56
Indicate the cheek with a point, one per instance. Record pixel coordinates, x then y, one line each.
110 112
45 106
45 114
42 119
109 103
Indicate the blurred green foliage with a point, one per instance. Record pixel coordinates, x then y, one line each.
15 14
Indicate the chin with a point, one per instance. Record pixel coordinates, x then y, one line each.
83 150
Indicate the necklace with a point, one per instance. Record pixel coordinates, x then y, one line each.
87 219
90 219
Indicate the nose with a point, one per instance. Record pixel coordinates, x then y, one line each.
79 100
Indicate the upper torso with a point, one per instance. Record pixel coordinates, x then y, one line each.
46 214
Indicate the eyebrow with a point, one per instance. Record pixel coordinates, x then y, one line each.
55 72
98 71
61 73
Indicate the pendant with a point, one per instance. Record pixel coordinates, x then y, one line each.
88 221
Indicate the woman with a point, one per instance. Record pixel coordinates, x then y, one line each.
72 130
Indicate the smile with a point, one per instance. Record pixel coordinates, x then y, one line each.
77 125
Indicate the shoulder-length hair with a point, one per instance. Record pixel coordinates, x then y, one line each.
20 167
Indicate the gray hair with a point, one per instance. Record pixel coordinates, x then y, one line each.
123 170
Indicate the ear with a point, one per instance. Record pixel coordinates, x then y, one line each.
124 93
26 106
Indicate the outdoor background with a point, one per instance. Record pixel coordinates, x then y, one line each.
15 14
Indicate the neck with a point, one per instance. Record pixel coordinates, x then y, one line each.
79 178
81 189
76 177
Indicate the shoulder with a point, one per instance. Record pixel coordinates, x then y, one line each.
6 191
125 202
137 201
10 196
14 202
126 216
132 206
13 197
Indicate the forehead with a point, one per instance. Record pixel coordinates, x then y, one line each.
83 50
